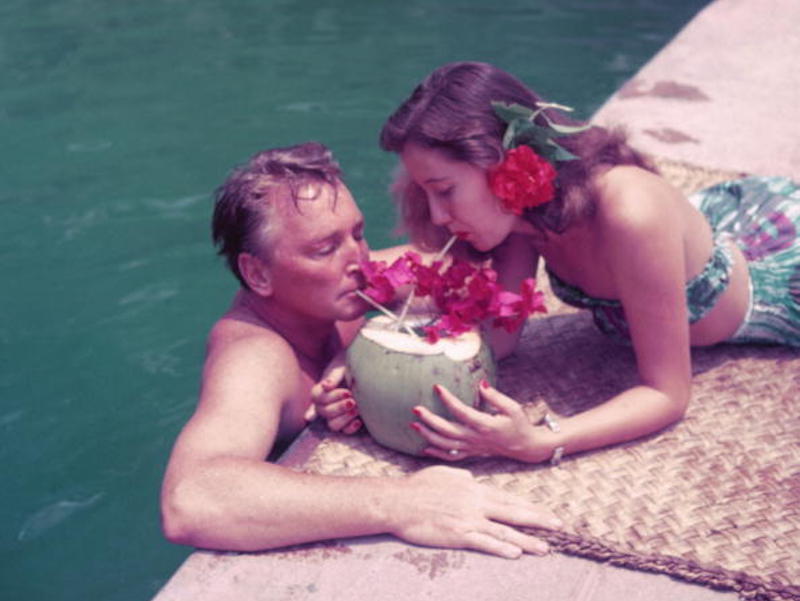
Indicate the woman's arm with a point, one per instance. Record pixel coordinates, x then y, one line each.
642 244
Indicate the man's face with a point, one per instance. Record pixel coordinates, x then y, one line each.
315 255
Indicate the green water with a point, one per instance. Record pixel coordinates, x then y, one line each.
117 119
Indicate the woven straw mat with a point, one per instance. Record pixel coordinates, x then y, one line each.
714 499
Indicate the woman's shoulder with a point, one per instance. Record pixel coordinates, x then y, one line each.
629 197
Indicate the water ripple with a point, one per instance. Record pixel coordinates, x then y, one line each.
149 295
9 418
52 515
95 146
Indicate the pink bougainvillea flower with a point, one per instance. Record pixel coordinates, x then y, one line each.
465 295
446 325
400 272
455 275
515 308
429 281
532 299
378 288
483 287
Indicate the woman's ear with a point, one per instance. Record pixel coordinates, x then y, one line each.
256 273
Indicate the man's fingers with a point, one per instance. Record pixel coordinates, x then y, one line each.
512 509
481 541
526 542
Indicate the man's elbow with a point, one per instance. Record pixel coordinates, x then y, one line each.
179 521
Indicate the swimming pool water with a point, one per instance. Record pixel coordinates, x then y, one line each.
117 120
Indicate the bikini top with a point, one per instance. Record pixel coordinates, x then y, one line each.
702 292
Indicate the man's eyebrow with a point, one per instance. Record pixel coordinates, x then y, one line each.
436 180
335 234
325 238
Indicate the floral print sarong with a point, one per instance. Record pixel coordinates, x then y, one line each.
762 215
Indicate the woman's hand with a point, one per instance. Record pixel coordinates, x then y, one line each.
508 432
332 401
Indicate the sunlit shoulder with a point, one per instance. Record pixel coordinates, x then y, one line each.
632 199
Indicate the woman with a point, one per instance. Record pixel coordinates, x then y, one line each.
615 237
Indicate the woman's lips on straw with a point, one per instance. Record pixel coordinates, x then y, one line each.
461 235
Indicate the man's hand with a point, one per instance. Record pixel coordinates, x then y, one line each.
445 507
333 402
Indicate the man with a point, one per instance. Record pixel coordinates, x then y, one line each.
293 236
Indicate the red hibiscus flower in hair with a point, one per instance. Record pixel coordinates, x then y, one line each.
523 180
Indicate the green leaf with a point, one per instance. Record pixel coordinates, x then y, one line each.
560 153
565 130
510 112
531 134
522 129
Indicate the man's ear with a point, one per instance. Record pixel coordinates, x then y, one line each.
256 273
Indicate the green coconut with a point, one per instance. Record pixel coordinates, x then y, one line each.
390 372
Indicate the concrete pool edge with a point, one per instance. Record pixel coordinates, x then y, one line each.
723 94
688 104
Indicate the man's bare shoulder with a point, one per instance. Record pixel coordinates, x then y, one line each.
234 338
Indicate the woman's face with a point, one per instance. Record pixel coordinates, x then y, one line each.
459 197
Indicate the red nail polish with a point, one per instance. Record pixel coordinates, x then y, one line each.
349 404
416 411
437 389
414 426
484 383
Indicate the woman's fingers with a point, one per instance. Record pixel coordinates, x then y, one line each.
442 447
498 400
434 437
440 425
353 427
311 413
460 410
334 372
337 403
342 422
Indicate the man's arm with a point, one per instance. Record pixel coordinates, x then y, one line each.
219 492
